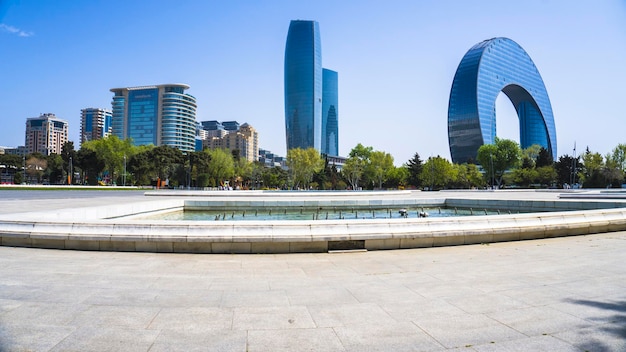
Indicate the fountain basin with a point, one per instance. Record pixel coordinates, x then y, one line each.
107 228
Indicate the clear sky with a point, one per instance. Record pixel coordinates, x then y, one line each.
396 60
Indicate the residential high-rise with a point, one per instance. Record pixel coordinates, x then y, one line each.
95 123
488 68
244 139
230 125
46 134
159 115
303 85
330 111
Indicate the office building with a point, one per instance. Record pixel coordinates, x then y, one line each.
311 92
488 68
95 123
330 111
159 115
46 134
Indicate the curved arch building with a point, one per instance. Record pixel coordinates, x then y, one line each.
488 68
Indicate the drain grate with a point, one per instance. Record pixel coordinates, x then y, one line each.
346 245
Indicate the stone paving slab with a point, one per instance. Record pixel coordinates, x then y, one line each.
561 294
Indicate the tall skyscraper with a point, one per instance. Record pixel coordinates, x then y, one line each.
303 85
95 123
159 115
330 111
45 134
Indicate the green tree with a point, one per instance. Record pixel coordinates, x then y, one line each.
592 165
616 165
497 158
613 175
54 169
380 165
256 174
523 176
321 178
111 150
544 158
567 169
12 162
414 166
18 178
364 154
90 164
221 166
356 168
353 170
141 167
243 172
361 152
546 175
398 177
532 153
303 164
199 165
329 177
68 154
437 173
467 176
165 159
275 177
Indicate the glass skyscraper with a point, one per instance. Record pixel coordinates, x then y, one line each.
303 86
488 68
158 115
330 110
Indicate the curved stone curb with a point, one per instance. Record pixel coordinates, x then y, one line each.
302 235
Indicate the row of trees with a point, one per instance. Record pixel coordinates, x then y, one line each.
502 164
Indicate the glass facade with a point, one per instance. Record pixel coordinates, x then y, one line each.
488 68
178 124
142 121
118 113
303 86
330 111
158 115
95 123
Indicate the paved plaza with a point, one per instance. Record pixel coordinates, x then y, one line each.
560 294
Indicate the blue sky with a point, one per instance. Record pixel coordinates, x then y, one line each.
396 60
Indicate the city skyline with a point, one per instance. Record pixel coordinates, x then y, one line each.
397 63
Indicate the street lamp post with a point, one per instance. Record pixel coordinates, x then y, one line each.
71 178
124 175
492 171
